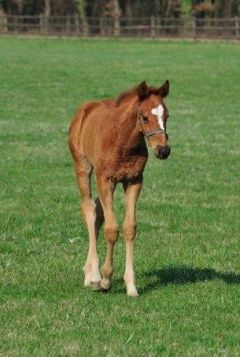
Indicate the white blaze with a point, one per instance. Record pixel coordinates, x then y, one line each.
158 111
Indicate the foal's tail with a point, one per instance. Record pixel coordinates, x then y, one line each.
74 132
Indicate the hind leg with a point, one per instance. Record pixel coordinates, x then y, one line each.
92 221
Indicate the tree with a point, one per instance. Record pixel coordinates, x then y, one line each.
47 8
238 6
113 8
224 8
80 4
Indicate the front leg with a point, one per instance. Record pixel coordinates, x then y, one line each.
106 189
132 191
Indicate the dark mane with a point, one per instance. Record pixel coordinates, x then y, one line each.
124 96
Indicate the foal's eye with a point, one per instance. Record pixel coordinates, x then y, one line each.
145 120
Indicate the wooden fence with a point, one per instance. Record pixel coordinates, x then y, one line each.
153 27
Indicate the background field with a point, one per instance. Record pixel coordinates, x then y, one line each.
187 248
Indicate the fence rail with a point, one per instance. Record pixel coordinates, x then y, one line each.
153 27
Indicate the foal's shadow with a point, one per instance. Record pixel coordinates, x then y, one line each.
184 275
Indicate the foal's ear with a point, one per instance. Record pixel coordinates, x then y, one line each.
164 89
143 91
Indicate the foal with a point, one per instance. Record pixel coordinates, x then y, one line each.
109 137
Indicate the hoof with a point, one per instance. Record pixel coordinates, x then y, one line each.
95 285
132 292
87 284
105 284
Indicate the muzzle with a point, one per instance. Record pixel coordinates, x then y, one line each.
162 152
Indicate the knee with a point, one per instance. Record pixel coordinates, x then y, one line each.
129 231
111 233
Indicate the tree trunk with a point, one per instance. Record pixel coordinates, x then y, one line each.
168 8
223 8
117 14
3 20
238 7
164 7
20 6
117 10
81 9
47 12
157 8
129 10
227 4
47 8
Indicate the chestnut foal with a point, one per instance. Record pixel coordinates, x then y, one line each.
109 137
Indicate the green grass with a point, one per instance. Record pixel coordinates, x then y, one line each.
187 247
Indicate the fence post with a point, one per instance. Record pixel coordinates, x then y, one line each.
237 26
46 24
101 25
116 26
84 27
194 27
68 24
41 23
153 27
3 24
77 25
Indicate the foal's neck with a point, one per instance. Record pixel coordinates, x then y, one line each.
132 135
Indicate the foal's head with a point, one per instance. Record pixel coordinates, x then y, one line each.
153 114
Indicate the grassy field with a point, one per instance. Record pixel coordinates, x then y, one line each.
187 248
